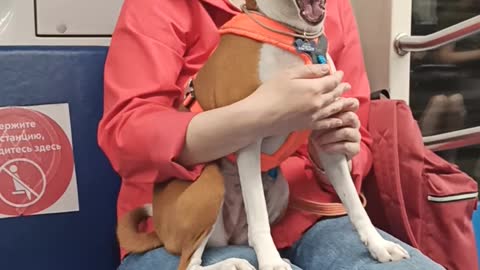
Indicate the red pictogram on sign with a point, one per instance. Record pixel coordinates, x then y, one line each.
36 162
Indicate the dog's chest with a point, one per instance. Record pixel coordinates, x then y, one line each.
233 210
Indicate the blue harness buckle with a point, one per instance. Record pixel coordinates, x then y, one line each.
273 173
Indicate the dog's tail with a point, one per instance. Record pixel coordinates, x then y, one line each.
128 235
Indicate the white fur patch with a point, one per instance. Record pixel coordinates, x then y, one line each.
274 60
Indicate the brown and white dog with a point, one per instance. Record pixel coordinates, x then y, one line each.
236 203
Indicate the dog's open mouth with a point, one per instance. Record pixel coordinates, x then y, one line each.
312 11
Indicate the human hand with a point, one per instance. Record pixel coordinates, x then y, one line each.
301 98
343 140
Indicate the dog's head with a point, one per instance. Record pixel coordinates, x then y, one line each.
307 15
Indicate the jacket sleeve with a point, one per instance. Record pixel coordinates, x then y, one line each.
348 58
141 131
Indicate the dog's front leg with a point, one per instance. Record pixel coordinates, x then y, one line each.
336 168
259 237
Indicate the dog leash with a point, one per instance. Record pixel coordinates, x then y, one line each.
305 35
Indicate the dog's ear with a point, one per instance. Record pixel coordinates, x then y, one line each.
251 4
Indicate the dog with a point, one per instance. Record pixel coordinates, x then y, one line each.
237 202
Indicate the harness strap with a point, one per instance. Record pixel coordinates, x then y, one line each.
189 100
321 209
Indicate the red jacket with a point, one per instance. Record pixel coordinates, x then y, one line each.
156 47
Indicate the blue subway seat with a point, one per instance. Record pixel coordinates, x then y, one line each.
83 240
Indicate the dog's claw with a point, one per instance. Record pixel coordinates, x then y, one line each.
386 251
280 265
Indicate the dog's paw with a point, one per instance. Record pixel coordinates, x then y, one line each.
386 251
267 254
229 264
381 249
276 264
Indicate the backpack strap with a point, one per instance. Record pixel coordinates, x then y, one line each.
386 167
380 94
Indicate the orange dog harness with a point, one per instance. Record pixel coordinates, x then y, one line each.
258 27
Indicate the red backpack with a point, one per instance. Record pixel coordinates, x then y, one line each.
426 201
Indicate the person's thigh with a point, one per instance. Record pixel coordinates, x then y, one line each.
334 244
159 259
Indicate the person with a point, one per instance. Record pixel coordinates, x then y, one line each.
465 52
157 46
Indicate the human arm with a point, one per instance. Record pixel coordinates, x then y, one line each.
153 53
142 132
448 55
461 51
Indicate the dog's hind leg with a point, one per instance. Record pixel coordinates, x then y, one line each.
336 168
259 237
185 212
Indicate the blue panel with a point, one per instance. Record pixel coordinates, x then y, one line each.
83 240
476 225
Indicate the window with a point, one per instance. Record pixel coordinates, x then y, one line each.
445 82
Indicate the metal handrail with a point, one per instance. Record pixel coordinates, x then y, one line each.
453 140
405 43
